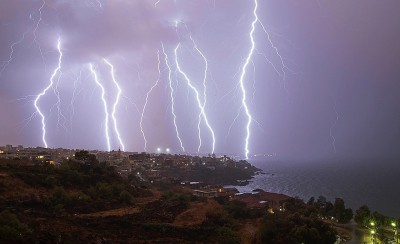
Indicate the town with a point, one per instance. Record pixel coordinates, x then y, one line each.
206 176
147 166
184 192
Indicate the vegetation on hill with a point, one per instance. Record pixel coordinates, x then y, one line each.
83 200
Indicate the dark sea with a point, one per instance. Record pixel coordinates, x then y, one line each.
375 184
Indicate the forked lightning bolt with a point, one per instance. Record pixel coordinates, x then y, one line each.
205 92
202 115
147 98
40 20
172 96
283 65
199 103
36 28
204 96
13 45
55 72
11 55
103 94
115 103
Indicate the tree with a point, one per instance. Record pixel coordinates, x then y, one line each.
342 214
86 157
379 218
311 201
321 201
363 215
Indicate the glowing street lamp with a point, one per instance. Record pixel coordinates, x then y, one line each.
373 231
394 230
168 150
372 236
158 150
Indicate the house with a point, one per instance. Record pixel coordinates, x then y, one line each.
205 193
252 200
274 201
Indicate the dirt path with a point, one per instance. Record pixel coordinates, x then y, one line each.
113 212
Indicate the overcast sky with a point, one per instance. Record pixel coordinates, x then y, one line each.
322 83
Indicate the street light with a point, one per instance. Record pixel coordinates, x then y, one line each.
394 230
372 236
373 231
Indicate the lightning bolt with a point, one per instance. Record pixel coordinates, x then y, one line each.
11 55
36 28
155 4
115 103
242 76
200 105
334 124
204 94
147 98
172 96
40 20
58 103
56 70
103 93
202 115
75 94
283 65
13 45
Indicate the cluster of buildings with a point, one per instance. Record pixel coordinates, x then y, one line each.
147 165
40 154
157 167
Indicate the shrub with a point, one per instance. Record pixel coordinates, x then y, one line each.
11 228
126 197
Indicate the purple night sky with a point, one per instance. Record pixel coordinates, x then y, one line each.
323 81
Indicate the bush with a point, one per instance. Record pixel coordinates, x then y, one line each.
59 210
227 235
217 216
126 197
50 181
11 228
79 197
104 190
293 227
177 197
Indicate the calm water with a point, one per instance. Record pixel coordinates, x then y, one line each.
377 184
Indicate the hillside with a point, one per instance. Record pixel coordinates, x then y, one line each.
78 202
